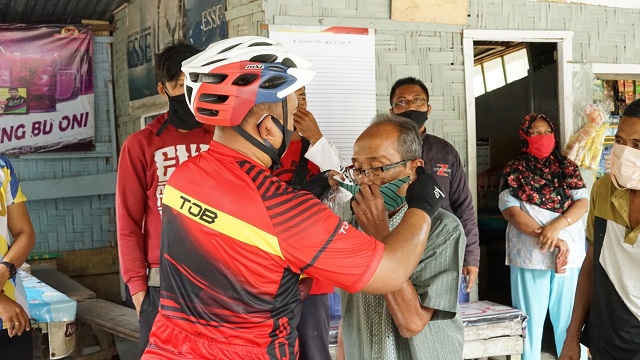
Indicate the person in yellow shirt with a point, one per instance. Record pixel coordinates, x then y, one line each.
15 336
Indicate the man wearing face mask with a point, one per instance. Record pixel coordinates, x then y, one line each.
147 159
606 313
409 98
235 239
419 321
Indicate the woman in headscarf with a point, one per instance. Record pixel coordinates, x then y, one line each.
543 197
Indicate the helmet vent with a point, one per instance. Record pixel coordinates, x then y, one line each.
207 78
273 82
289 63
189 91
277 68
213 62
229 48
245 79
212 99
264 58
260 44
207 112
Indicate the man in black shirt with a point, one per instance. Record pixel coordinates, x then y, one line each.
15 103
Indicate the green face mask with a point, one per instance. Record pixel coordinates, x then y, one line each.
389 191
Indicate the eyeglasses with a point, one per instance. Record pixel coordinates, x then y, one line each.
401 104
373 172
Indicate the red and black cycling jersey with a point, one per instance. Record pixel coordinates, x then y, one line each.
235 240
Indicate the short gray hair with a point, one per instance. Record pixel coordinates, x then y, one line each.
409 139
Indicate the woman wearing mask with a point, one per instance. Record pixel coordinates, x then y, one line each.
543 197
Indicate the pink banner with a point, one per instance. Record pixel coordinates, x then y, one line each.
46 89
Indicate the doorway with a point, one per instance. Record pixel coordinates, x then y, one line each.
509 74
563 39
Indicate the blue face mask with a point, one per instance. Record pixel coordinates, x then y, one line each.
389 191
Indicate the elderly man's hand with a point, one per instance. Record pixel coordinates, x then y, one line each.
368 207
306 125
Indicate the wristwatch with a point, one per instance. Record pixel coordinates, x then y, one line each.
10 267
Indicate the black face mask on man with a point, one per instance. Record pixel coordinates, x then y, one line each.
180 115
417 117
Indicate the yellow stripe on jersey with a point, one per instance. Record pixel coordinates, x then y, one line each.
220 221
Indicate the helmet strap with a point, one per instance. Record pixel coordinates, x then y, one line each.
286 135
265 146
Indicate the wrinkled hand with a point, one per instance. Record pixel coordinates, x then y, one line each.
563 250
424 193
371 214
335 177
570 350
548 237
14 316
306 125
472 273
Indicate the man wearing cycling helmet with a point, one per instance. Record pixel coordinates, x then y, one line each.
235 239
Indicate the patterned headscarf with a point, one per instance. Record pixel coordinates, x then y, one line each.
546 183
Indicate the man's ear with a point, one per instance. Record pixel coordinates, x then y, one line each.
391 111
428 110
415 164
266 128
161 89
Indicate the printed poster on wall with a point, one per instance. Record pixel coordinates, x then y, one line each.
204 22
195 22
46 89
141 49
342 95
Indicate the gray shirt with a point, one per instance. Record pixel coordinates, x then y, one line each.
368 330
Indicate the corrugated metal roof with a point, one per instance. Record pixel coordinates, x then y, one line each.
57 11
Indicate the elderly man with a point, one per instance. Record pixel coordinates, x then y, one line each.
419 321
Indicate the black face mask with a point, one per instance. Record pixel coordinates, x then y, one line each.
418 117
180 115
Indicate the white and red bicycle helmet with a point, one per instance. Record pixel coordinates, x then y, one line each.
223 82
